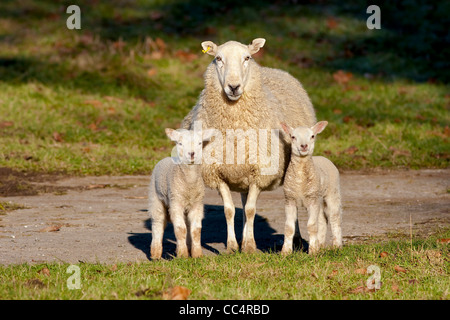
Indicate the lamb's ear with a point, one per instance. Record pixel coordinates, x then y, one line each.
207 134
172 134
209 47
319 126
256 45
286 128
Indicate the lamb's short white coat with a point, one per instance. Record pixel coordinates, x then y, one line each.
315 182
176 194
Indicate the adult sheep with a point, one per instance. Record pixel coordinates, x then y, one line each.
242 97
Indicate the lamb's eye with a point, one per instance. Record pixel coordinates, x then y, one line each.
218 59
312 137
247 58
199 143
293 138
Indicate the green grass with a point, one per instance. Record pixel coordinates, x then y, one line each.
96 100
410 270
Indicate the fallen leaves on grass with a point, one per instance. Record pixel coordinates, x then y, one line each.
350 150
342 77
176 293
384 254
186 56
6 124
44 271
446 240
57 137
399 269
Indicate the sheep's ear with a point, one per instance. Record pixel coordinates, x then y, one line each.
209 47
256 45
172 134
207 134
286 128
319 126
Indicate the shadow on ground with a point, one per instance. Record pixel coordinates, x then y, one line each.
214 232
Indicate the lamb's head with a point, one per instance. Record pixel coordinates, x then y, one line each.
232 62
303 138
189 144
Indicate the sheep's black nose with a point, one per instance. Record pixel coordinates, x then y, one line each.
191 154
304 146
234 88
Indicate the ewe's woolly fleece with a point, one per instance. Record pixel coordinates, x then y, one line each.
271 96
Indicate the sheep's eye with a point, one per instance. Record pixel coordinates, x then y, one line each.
293 138
218 58
199 143
312 137
247 58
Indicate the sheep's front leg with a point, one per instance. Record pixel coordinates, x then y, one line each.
289 227
229 208
248 239
313 206
179 226
195 222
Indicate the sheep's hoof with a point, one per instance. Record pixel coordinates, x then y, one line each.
286 251
249 246
197 253
232 247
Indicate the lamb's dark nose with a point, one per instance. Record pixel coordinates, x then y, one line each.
191 154
234 88
304 146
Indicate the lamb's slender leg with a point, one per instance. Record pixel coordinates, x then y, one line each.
229 208
322 225
179 226
159 221
313 207
248 239
244 197
335 217
289 227
195 222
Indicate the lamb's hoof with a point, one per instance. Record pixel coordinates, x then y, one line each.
248 246
286 251
196 253
232 247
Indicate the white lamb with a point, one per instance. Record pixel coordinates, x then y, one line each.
314 181
176 193
242 97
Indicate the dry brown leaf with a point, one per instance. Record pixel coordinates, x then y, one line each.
57 137
395 288
314 275
332 274
151 72
342 77
177 293
52 228
332 23
6 124
413 281
44 271
350 150
361 271
337 111
400 269
384 254
95 103
186 56
446 240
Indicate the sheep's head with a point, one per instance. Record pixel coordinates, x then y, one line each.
303 138
232 61
189 144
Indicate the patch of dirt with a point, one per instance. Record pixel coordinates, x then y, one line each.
105 219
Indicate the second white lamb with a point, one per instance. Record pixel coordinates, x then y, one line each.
315 182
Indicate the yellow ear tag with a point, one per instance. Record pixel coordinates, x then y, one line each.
207 49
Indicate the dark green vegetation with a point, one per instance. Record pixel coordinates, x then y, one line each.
96 100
